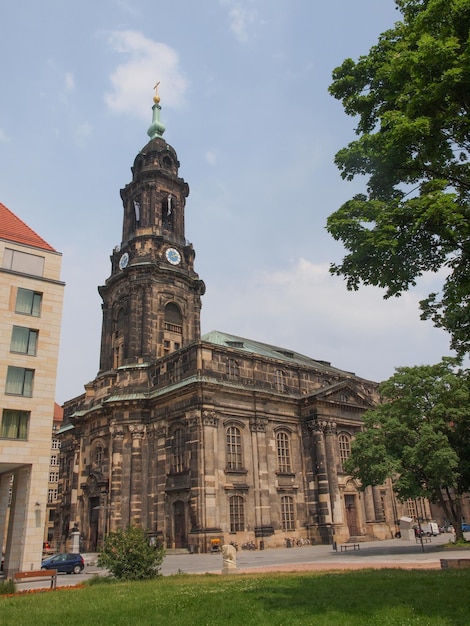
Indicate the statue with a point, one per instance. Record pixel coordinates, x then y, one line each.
229 557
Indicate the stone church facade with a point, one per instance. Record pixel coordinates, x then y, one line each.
205 439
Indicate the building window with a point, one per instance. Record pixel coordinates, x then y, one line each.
28 302
19 381
52 495
54 459
56 444
173 319
23 262
234 448
98 458
24 340
287 513
283 452
280 381
178 450
344 443
118 338
411 508
237 514
15 424
233 371
53 477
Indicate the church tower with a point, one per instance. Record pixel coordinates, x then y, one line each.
152 300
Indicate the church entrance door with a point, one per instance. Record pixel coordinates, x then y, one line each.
179 518
94 508
351 514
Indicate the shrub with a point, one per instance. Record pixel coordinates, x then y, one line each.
128 555
7 586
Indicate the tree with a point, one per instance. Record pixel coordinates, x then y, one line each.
129 555
412 96
419 437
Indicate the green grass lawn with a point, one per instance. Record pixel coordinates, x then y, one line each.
380 597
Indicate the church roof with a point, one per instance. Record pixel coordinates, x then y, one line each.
264 349
14 229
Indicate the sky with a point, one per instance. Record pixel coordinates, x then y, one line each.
244 96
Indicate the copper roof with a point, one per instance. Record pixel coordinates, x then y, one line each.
14 229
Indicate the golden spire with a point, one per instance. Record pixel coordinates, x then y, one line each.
156 97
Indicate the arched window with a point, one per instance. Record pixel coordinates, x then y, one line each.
280 381
344 443
98 456
283 452
168 210
237 514
287 513
233 371
178 450
118 338
173 328
234 448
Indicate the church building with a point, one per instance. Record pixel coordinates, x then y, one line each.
204 440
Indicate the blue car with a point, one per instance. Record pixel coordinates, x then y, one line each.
67 563
466 528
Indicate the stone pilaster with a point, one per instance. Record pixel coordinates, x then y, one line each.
115 500
137 433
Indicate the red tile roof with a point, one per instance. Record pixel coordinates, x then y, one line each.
14 229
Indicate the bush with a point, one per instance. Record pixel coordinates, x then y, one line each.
7 586
128 555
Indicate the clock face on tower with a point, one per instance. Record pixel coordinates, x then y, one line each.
123 261
173 256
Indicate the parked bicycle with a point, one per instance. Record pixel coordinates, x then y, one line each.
249 545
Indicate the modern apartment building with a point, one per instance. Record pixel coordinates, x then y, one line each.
31 298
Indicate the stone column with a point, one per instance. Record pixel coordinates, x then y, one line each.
318 427
369 504
332 465
137 433
115 512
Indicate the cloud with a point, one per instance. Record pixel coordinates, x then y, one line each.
147 62
211 157
240 19
306 309
69 82
82 133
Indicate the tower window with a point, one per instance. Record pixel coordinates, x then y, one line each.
168 212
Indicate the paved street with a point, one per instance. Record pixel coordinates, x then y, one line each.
378 554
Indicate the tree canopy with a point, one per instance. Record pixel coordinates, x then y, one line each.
419 437
411 94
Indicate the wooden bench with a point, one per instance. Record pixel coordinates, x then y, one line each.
349 546
37 575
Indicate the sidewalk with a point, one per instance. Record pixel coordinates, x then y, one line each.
393 553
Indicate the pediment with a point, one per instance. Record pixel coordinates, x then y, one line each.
344 393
